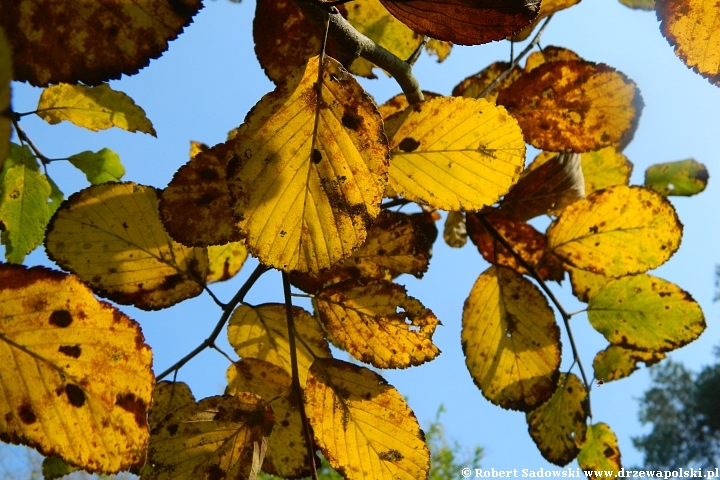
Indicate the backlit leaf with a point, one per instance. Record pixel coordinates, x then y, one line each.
600 450
558 426
438 48
455 231
456 153
399 102
302 209
549 54
261 332
616 231
646 313
79 369
378 323
510 340
94 108
474 85
168 397
363 425
616 362
214 438
574 105
111 237
56 197
6 76
547 8
56 41
639 4
225 261
603 168
586 284
683 178
99 167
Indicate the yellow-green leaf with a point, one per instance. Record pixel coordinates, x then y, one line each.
455 153
438 48
604 168
646 313
586 284
225 261
558 426
639 4
168 397
6 76
510 340
111 237
363 425
616 362
79 369
455 231
94 108
616 231
301 207
600 451
682 178
99 167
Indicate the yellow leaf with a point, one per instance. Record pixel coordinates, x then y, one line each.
600 450
363 425
214 438
616 362
510 340
438 48
168 397
646 313
455 231
111 237
79 372
302 209
604 168
197 147
261 332
399 102
286 455
225 261
616 231
6 76
586 284
474 85
549 54
455 153
547 8
558 426
94 108
378 323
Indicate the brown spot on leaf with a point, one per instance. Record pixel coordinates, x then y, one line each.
73 351
75 395
61 318
130 403
26 414
408 144
348 121
172 429
208 174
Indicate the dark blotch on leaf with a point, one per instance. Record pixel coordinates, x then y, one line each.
316 156
130 403
208 174
171 282
234 164
183 8
73 351
26 414
75 395
350 122
206 199
172 429
215 472
409 144
61 318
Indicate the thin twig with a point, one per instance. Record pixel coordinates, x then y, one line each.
24 138
215 299
394 203
416 54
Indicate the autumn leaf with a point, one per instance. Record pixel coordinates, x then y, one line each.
639 4
6 76
547 8
225 261
399 102
604 168
455 231
474 85
455 153
549 54
438 48
586 284
616 362
683 178
600 450
99 167
363 425
55 41
80 372
168 397
302 208
111 237
510 340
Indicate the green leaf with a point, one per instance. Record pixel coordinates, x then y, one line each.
616 362
99 167
682 178
94 108
600 451
56 196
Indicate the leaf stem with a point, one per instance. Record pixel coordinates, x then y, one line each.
24 138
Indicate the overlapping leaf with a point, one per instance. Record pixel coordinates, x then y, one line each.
111 237
363 425
302 207
586 284
604 168
616 231
90 42
639 4
99 167
549 54
646 313
79 370
510 340
474 85
168 397
616 362
225 261
574 105
378 322
455 231
455 153
683 178
600 450
547 8
399 102
6 76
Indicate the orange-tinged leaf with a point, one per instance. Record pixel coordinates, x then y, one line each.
6 76
510 340
474 85
646 313
261 332
111 237
399 102
225 261
586 284
558 426
600 450
616 362
547 8
377 322
90 42
604 168
363 425
455 231
79 371
455 153
574 105
214 438
168 397
303 208
616 231
549 54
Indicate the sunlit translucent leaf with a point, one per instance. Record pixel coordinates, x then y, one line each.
212 439
110 236
683 178
586 284
438 48
600 450
547 8
617 362
262 332
56 197
399 102
474 85
168 397
558 426
455 153
303 208
286 455
616 231
574 105
6 76
197 147
90 42
225 261
549 54
647 313
455 231
94 108
691 27
378 323
363 425
99 167
639 4
604 168
510 340
464 22
79 369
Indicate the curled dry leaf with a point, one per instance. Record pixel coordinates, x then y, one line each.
455 231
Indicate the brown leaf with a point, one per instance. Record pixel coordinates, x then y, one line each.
474 85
